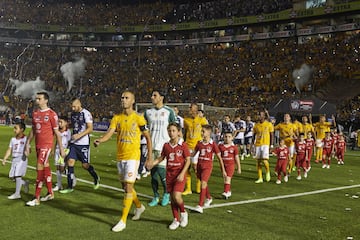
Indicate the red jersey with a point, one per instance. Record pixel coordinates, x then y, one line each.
228 153
309 143
328 143
282 153
300 148
44 122
176 156
340 145
206 151
335 137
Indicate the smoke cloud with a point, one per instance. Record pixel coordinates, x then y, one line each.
27 89
302 75
72 71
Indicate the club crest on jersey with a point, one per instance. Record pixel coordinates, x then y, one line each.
38 126
179 153
209 149
46 118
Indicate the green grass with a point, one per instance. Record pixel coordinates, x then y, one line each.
90 214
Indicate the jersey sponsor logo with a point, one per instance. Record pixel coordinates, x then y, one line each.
38 126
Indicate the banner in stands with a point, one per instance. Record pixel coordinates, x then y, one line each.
312 105
101 126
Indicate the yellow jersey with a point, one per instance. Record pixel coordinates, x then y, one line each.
299 126
193 130
262 133
128 128
308 128
287 132
321 129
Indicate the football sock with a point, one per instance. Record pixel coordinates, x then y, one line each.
39 183
70 177
154 184
188 182
92 172
208 196
136 199
128 199
58 178
202 196
175 210
198 185
259 169
267 167
181 206
48 179
226 187
18 183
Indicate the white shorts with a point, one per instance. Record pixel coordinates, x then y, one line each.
262 152
18 168
319 143
291 150
194 159
127 170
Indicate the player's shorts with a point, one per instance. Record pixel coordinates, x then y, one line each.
194 159
327 152
127 170
291 150
248 140
172 184
18 168
204 171
80 153
229 169
42 155
319 143
59 161
239 141
262 152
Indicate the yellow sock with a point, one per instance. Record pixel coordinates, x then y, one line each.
135 199
128 199
290 165
259 169
198 185
267 166
321 153
188 182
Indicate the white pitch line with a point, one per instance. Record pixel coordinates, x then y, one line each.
283 196
229 203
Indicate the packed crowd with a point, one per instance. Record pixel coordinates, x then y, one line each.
113 13
251 74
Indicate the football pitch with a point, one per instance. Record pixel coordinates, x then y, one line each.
325 205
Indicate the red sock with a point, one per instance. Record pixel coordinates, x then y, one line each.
208 196
227 187
175 211
39 183
47 179
182 207
202 196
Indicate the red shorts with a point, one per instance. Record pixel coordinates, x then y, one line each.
43 155
172 184
281 166
340 154
204 171
327 152
229 169
300 160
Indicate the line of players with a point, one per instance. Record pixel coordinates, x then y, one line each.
246 133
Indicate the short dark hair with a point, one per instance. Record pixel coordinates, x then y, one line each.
45 94
175 124
21 125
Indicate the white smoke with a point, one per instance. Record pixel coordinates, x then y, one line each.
302 75
73 70
27 89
